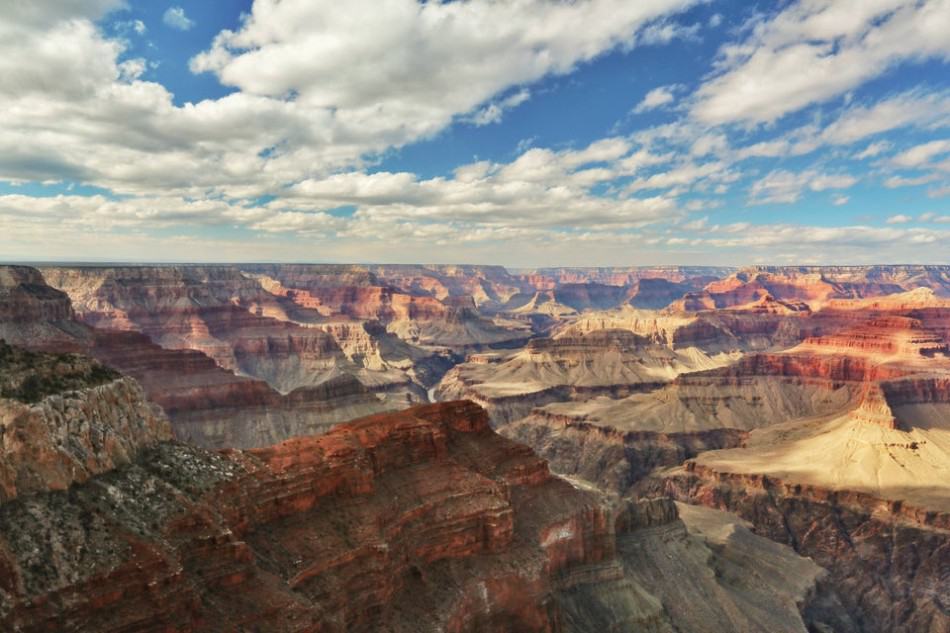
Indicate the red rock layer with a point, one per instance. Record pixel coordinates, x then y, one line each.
819 284
212 309
417 521
215 408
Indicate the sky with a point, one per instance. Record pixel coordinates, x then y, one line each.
524 133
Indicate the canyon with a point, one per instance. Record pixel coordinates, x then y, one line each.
253 447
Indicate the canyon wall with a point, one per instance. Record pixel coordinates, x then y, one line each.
422 520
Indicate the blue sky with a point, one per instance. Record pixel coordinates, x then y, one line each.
600 132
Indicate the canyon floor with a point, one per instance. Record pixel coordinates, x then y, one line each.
283 447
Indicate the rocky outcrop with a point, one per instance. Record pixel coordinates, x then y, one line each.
424 306
624 276
369 345
308 535
746 582
656 293
817 285
212 407
64 419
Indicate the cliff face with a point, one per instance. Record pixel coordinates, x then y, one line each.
817 286
214 310
212 407
65 418
30 310
812 402
836 445
426 306
888 564
423 520
412 511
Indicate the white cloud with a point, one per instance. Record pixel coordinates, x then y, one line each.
493 112
664 32
900 181
815 50
657 98
125 26
685 175
411 68
821 182
914 107
873 149
175 18
312 112
540 189
699 224
899 219
781 186
939 192
74 111
920 155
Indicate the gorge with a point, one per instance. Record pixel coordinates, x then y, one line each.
252 447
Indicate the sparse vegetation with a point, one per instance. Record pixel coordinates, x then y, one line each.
31 376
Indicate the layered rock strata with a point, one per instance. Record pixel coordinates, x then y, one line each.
423 520
208 404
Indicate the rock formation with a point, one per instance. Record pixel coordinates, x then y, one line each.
837 446
569 367
423 520
208 404
65 418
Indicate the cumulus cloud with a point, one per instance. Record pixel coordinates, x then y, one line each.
308 104
900 218
135 26
815 50
540 189
452 57
916 108
175 18
873 149
900 181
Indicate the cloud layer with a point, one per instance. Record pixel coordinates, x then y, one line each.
322 91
